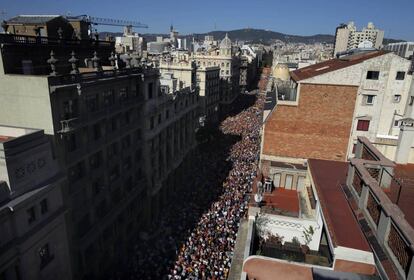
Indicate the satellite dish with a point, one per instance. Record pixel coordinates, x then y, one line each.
365 45
258 198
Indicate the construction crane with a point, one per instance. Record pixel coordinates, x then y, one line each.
108 21
2 14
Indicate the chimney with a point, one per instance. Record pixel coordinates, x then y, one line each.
405 141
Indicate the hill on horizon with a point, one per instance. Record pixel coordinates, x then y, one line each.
253 36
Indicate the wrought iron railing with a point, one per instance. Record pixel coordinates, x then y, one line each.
34 40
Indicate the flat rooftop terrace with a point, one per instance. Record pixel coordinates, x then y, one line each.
280 201
340 220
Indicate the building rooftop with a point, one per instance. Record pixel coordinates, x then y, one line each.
32 19
341 223
333 64
8 133
280 201
4 138
262 268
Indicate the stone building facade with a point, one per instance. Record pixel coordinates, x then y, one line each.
347 37
33 242
117 136
206 78
229 62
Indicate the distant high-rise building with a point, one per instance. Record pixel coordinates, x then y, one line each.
347 37
403 49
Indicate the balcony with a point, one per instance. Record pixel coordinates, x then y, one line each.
382 193
68 125
48 41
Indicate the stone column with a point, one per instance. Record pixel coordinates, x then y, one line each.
382 228
405 141
362 202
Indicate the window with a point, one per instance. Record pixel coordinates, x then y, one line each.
43 206
150 90
372 75
159 118
354 148
96 186
97 131
31 215
112 150
152 123
76 172
288 182
70 108
300 183
109 98
71 142
400 75
92 102
411 101
123 94
363 125
127 118
396 123
126 142
45 256
95 160
114 174
397 98
114 124
276 180
369 99
167 114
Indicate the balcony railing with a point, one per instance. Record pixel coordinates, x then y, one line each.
370 177
68 125
33 40
90 76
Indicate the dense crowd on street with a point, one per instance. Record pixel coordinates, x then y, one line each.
198 228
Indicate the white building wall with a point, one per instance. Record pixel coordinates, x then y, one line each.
384 110
290 227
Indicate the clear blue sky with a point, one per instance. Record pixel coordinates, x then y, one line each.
301 17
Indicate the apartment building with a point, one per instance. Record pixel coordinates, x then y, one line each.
109 128
130 42
206 78
347 37
229 62
403 49
33 242
248 68
172 117
368 234
326 106
52 26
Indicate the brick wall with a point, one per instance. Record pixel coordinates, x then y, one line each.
319 127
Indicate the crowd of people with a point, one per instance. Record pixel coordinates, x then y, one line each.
198 230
